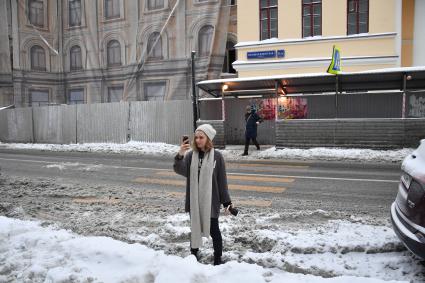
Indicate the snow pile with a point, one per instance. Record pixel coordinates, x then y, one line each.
336 248
322 153
130 147
32 253
231 152
327 248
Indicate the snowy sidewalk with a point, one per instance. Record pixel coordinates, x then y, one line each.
30 252
231 152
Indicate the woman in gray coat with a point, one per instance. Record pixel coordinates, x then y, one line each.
206 188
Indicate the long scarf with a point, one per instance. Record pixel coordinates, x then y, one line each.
200 197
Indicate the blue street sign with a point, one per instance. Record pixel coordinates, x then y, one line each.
266 54
281 53
261 54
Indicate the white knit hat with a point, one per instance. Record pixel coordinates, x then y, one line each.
208 130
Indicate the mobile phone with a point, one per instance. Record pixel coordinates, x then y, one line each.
185 139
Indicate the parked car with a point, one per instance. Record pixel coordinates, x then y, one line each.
408 210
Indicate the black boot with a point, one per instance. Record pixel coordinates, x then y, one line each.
217 260
195 252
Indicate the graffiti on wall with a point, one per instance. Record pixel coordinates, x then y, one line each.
287 108
292 108
416 106
265 108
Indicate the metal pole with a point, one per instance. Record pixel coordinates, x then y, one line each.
403 110
194 96
223 105
276 111
336 95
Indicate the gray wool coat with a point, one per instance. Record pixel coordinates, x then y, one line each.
220 192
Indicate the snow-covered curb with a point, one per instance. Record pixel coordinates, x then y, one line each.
130 147
231 152
32 253
322 153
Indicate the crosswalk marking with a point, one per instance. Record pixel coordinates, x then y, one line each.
263 189
276 179
233 165
249 203
160 181
180 183
261 179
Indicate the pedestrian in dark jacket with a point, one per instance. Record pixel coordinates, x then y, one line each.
206 189
252 120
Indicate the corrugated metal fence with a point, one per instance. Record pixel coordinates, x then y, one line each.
160 121
16 125
149 121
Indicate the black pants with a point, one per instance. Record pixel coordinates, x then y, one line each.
247 140
216 237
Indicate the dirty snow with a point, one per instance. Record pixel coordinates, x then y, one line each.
116 227
33 253
231 152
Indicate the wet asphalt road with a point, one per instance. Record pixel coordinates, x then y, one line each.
351 188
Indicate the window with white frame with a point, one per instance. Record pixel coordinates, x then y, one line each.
76 96
38 58
205 40
74 9
115 93
39 97
154 90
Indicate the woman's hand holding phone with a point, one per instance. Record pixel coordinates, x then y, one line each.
185 146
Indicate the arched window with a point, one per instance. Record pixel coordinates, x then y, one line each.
114 53
229 58
155 49
36 12
38 58
205 40
75 57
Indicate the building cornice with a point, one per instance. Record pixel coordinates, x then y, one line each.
315 39
312 62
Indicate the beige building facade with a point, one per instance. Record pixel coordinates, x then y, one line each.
297 36
98 51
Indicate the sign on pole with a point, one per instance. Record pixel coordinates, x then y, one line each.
335 66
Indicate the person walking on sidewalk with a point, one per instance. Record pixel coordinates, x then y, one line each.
252 120
206 188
